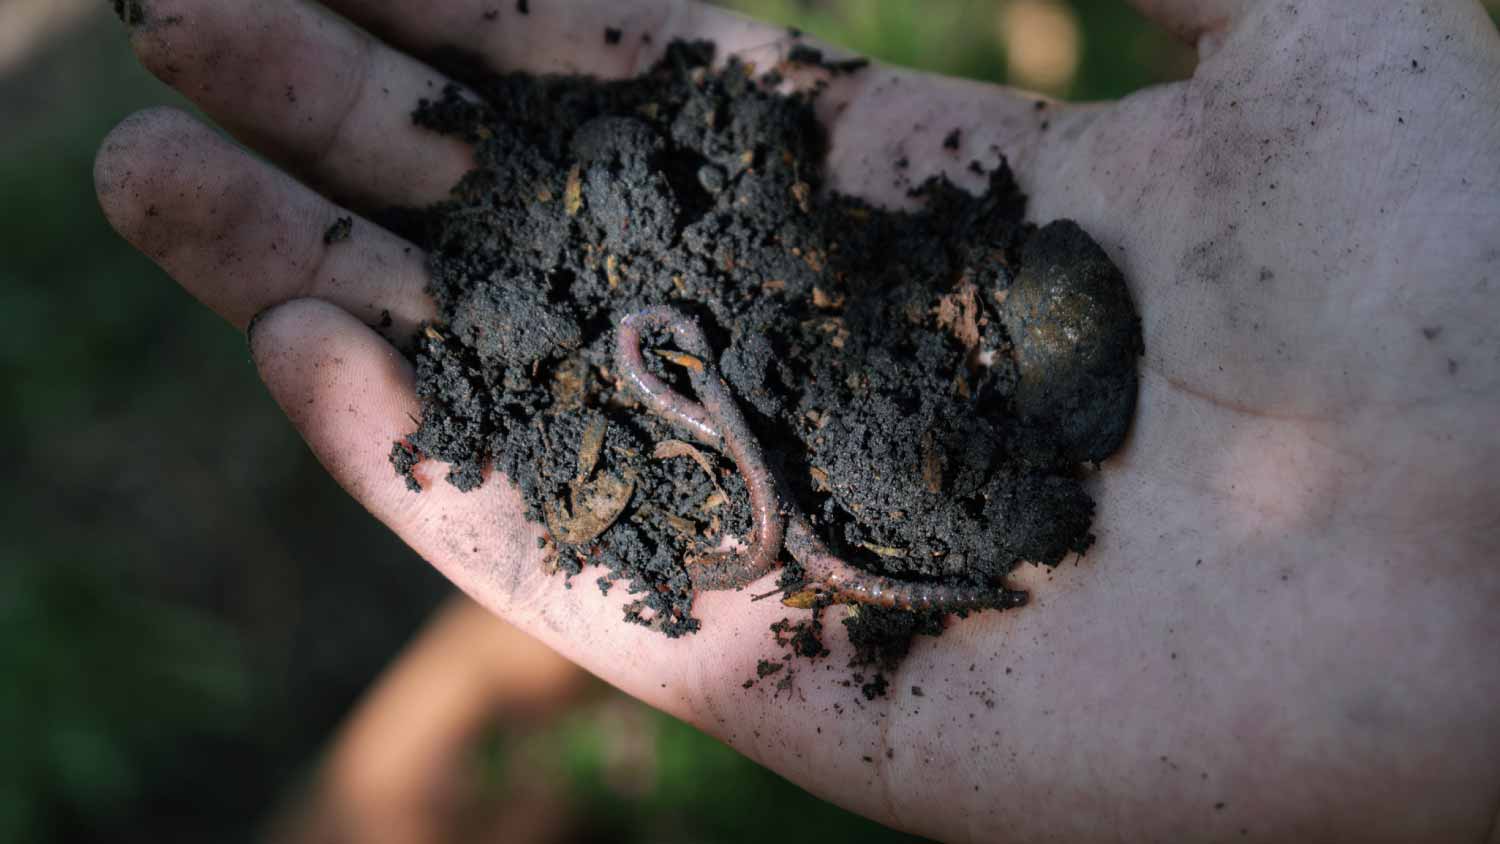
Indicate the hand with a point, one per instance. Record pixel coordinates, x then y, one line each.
401 767
1287 627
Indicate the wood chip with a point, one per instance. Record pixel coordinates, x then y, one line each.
686 528
667 449
883 550
932 464
590 447
573 191
612 271
823 300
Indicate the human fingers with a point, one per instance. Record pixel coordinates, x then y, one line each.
606 38
321 98
889 128
351 395
241 236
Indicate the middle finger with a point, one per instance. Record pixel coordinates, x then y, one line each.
308 89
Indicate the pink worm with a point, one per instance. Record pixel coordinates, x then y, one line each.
717 423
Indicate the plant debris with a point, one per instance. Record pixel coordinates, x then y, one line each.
929 387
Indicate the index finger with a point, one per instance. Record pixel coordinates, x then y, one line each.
604 38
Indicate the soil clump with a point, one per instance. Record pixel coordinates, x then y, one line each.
929 387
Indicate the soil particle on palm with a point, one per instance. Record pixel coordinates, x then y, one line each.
804 638
928 385
131 12
802 54
338 231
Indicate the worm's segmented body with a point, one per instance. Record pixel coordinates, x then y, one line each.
716 422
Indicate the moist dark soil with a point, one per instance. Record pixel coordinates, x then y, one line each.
931 386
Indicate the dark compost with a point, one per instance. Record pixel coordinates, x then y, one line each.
699 366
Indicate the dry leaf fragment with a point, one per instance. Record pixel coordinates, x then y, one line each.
594 508
667 449
823 300
802 192
884 550
958 312
932 465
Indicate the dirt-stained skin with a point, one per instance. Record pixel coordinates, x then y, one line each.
718 423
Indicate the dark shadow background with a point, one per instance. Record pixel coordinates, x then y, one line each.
188 605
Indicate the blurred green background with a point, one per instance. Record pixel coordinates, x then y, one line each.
188 606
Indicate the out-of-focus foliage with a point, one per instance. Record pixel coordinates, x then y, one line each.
1117 51
188 604
98 683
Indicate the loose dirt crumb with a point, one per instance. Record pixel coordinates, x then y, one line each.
339 231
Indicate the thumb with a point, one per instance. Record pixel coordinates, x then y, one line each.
351 395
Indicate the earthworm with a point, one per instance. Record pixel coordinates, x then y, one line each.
830 577
717 423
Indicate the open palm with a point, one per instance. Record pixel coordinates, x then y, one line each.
1287 625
